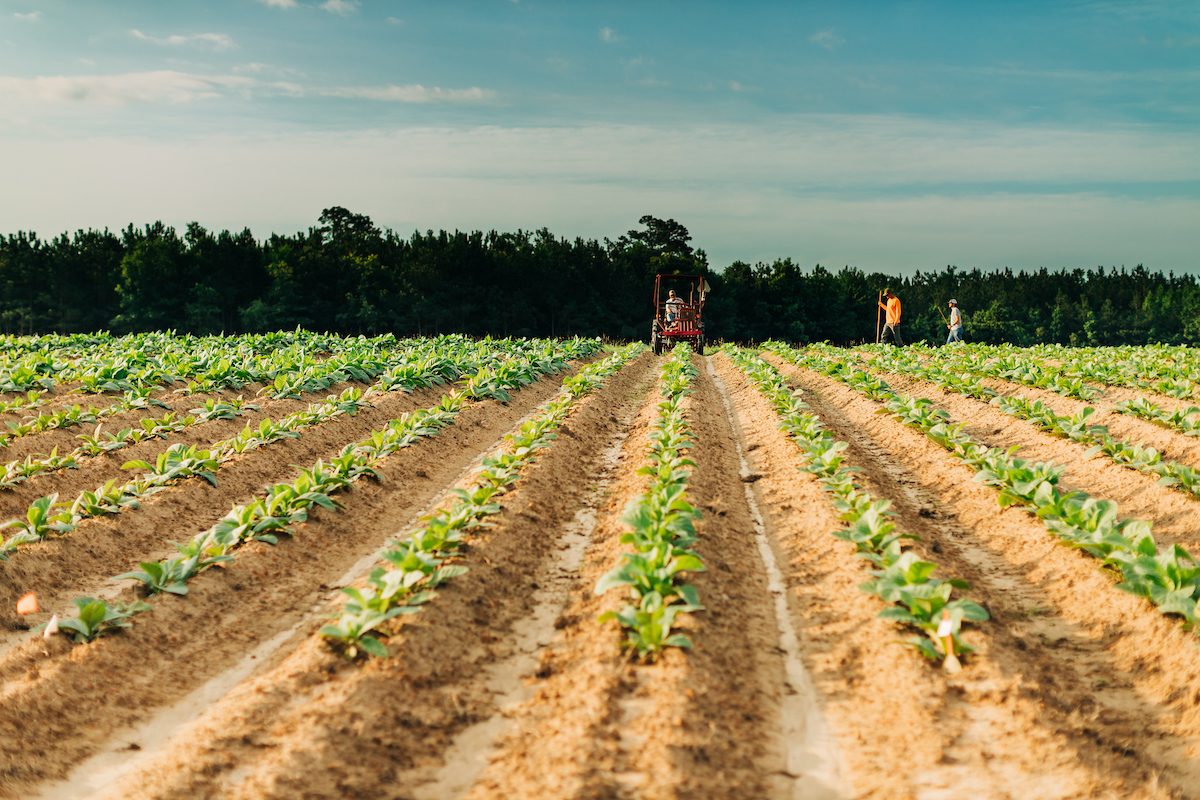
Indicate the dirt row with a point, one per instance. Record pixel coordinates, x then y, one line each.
1138 494
93 471
506 685
1108 394
1077 689
314 725
172 651
83 560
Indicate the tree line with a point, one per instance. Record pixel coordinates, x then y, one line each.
346 275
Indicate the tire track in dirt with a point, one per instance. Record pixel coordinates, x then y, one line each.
562 738
868 680
684 728
186 641
286 732
811 767
1116 685
1138 494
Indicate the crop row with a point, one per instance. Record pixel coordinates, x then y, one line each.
402 370
288 503
303 363
418 562
47 516
20 470
901 578
1170 371
1077 428
1179 420
662 528
1167 576
151 360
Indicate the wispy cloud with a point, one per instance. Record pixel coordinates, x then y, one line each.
394 21
168 86
31 16
609 35
279 3
804 190
411 93
215 41
163 86
640 72
341 7
827 39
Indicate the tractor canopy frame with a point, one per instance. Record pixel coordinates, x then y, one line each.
681 318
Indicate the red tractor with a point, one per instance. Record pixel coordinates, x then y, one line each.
678 311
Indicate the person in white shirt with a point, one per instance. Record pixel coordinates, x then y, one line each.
673 306
955 323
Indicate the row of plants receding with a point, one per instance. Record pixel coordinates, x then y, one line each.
1021 369
900 577
47 516
421 561
108 364
1167 576
404 372
1167 370
18 471
304 374
289 503
662 529
1077 427
1181 419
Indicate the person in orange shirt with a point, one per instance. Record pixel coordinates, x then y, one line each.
891 328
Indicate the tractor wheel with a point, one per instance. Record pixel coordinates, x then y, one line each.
700 346
656 344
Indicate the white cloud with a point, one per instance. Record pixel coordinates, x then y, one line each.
882 192
279 3
164 86
32 16
609 35
171 86
342 7
394 21
411 93
827 39
215 41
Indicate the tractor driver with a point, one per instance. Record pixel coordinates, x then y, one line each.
674 305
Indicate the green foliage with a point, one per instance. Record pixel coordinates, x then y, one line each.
1168 577
98 617
661 528
901 578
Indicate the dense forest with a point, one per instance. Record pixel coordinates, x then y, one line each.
347 275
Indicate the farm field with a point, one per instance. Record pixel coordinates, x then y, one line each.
298 565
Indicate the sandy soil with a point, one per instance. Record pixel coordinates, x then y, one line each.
507 686
228 612
1115 685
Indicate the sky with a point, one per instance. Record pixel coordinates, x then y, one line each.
891 136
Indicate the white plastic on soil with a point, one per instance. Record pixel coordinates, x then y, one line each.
812 758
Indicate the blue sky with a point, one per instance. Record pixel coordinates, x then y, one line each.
891 136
